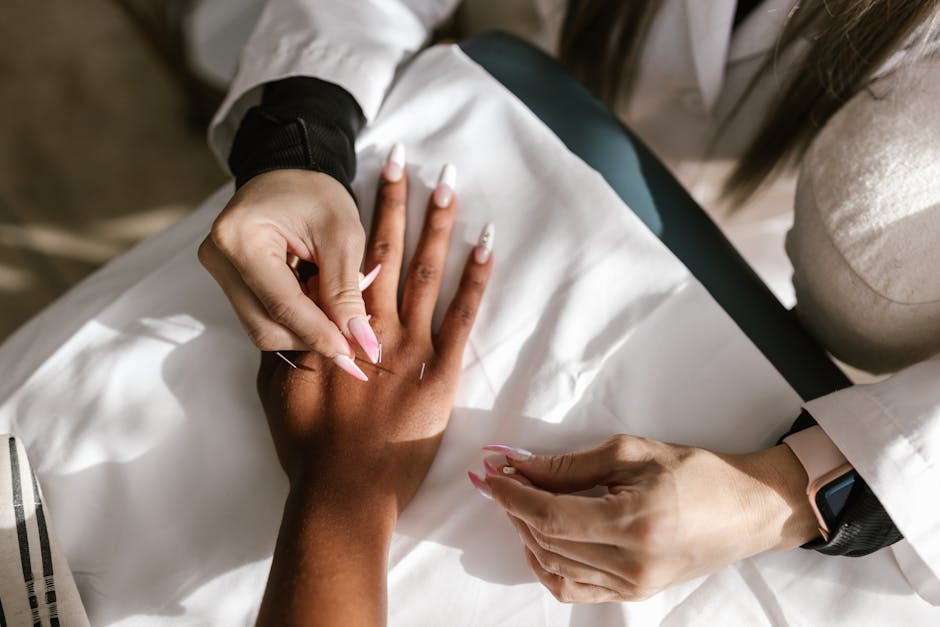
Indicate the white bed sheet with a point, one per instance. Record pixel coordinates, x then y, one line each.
134 395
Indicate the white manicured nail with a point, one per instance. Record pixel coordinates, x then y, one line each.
446 184
481 252
395 164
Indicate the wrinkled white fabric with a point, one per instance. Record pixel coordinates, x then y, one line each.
134 396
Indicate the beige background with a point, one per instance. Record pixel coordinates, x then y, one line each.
100 144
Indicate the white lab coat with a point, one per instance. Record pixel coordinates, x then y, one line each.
692 71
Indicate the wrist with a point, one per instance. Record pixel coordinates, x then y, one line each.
350 502
785 517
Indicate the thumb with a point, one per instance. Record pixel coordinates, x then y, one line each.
568 472
339 293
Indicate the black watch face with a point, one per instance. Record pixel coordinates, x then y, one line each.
832 497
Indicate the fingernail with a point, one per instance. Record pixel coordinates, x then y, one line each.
360 329
490 469
367 280
481 253
395 164
480 485
446 184
347 364
513 453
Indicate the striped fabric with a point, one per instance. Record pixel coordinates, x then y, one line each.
36 586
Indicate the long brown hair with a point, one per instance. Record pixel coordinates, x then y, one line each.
601 42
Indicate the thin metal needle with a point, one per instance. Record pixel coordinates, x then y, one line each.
380 353
421 376
278 353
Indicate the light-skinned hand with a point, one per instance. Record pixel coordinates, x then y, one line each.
669 513
311 216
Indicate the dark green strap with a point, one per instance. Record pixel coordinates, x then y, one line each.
593 133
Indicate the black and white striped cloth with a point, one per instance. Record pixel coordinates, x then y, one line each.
36 585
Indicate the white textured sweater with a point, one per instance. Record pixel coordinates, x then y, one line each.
865 243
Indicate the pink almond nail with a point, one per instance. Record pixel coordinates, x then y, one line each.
360 329
347 364
490 468
514 453
367 280
480 485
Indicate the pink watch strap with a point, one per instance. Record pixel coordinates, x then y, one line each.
818 454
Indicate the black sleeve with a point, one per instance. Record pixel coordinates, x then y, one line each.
863 526
302 123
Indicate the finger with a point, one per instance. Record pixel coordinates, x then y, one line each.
579 470
264 332
423 281
557 563
339 256
562 516
387 236
274 284
566 590
458 321
494 468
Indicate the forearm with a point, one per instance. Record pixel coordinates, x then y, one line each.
330 561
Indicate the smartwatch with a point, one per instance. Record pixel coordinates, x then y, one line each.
831 477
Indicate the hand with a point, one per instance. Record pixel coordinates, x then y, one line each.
291 212
671 513
356 453
337 435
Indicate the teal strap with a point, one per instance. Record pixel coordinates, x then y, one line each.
593 133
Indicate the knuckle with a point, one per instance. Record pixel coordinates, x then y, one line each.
642 530
423 273
224 234
652 531
463 313
473 282
382 249
621 446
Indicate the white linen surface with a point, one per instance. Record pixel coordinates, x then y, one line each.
134 395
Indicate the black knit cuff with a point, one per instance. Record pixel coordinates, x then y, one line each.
302 123
863 526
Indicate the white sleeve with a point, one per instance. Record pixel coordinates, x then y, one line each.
864 251
890 432
357 44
